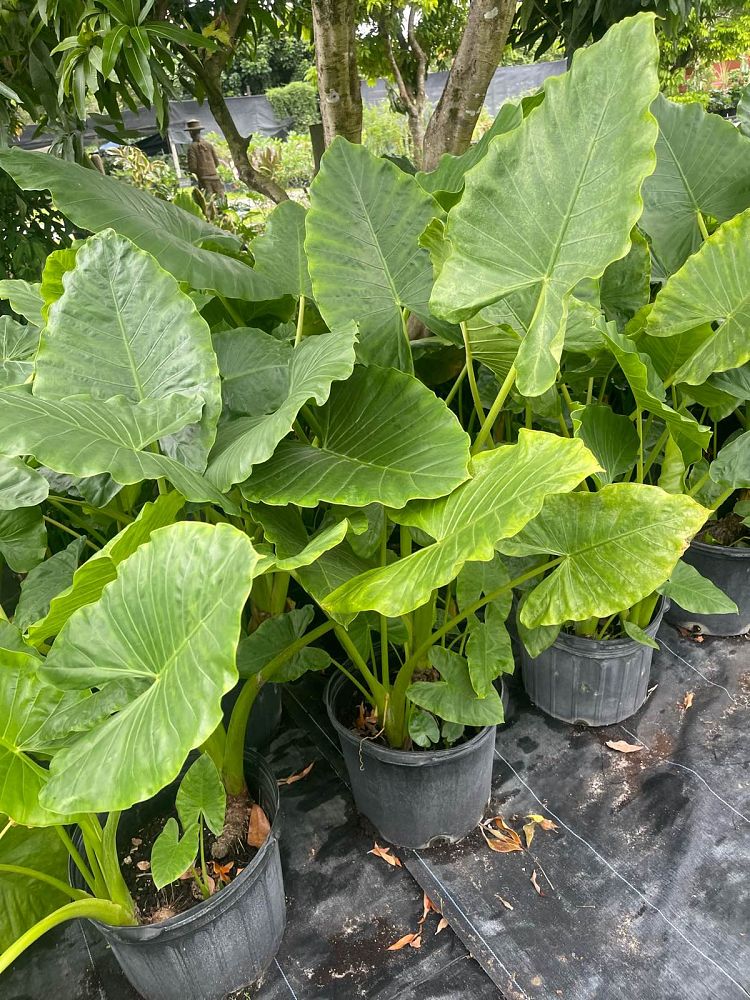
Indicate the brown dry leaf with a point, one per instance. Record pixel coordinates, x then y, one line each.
416 941
427 907
687 701
528 830
403 941
506 904
385 854
211 885
500 842
535 883
222 872
296 777
258 828
143 866
546 824
623 747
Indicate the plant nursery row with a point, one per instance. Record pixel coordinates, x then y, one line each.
430 419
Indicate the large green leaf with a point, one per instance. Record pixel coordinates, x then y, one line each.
89 580
446 181
254 370
384 437
95 202
731 468
23 901
20 485
168 627
617 546
18 344
271 638
26 701
243 442
280 251
610 436
122 327
625 286
86 437
363 226
45 582
649 391
711 287
56 266
701 167
23 538
452 697
508 489
171 854
695 593
25 299
538 213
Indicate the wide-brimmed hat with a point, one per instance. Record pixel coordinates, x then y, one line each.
193 125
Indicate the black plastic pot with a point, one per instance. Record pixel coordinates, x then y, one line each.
729 569
414 798
222 944
591 682
265 715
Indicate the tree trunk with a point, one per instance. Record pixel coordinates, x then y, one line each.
416 131
334 29
452 123
238 146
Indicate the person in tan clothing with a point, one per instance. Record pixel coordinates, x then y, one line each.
202 161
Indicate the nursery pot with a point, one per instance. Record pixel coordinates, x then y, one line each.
221 944
591 682
729 569
265 715
414 798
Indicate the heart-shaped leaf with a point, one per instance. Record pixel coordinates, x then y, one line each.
201 796
271 638
452 697
617 546
171 854
122 327
280 251
23 538
168 628
20 485
537 215
384 437
18 344
695 593
701 167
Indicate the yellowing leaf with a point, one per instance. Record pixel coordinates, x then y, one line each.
687 701
529 833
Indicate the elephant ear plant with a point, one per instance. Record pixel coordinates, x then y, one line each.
131 684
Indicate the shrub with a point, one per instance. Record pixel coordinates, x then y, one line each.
298 101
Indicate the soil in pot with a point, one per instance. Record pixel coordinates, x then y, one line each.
155 905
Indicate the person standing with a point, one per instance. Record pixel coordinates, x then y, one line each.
203 161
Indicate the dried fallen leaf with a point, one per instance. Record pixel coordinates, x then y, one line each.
143 866
535 883
506 904
442 924
687 701
427 906
528 830
222 872
403 941
416 941
296 777
622 747
546 824
502 843
258 828
385 854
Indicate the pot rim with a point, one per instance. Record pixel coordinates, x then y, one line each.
404 758
604 649
722 551
182 923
